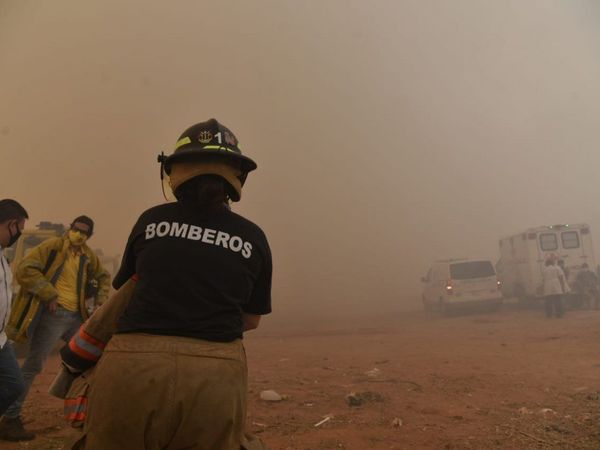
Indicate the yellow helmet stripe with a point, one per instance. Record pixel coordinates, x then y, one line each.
218 147
182 141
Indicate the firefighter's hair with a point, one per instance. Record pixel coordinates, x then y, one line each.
203 190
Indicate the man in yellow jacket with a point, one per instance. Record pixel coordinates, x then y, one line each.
56 278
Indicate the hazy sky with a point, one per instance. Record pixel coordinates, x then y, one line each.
387 133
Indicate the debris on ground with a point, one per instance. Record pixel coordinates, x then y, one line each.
360 398
547 412
557 429
270 396
327 418
373 373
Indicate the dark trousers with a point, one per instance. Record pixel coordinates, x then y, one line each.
11 379
50 329
554 305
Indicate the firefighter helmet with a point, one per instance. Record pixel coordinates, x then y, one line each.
207 148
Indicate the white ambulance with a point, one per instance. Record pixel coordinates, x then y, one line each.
523 255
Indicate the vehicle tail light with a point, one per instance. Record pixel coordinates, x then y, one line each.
449 287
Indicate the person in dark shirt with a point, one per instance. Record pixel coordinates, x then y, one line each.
174 374
586 285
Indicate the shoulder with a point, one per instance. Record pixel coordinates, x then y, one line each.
246 224
56 243
159 211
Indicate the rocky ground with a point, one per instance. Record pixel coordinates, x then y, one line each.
506 380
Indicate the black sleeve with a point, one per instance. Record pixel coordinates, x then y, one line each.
74 361
260 301
127 269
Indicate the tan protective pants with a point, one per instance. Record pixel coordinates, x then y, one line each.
164 392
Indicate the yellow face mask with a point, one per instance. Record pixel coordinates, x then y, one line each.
77 238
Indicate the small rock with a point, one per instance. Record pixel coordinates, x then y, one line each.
523 410
557 429
353 399
547 412
397 423
270 396
373 372
357 399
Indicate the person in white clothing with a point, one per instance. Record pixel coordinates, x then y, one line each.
12 222
555 285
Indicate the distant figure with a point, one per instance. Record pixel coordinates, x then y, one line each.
555 286
566 271
586 284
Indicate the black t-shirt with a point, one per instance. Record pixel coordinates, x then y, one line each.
198 270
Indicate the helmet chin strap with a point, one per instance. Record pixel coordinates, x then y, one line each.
161 159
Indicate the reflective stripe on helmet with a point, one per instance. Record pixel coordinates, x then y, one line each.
183 141
219 147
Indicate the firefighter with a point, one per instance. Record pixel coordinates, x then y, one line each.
174 374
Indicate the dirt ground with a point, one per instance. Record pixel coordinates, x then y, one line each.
506 380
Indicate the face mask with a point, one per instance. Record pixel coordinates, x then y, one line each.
13 237
77 238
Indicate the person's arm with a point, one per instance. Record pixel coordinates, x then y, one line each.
29 272
102 276
86 346
561 279
260 300
127 267
251 321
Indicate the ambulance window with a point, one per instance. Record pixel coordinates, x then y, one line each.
570 239
548 242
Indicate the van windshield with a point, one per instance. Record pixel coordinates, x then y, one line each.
471 269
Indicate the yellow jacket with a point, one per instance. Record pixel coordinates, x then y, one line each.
36 287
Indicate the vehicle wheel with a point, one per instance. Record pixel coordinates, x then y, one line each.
522 298
495 307
443 308
426 305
